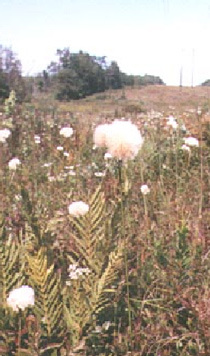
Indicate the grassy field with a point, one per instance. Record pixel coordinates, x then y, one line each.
125 272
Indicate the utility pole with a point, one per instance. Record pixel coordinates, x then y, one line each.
181 70
193 63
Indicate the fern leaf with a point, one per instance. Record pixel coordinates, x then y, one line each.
46 283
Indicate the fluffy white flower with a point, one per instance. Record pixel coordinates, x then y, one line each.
99 136
78 208
21 298
4 134
123 140
191 141
145 189
14 163
66 131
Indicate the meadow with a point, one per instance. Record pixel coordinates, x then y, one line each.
125 271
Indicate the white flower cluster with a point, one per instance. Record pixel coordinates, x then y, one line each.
37 139
66 132
21 298
122 139
191 141
76 272
78 208
172 122
4 134
14 163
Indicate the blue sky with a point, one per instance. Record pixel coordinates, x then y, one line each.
144 36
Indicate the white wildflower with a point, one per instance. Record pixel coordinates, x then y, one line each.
78 208
76 272
183 128
18 197
72 173
4 134
106 325
21 298
66 154
191 141
185 148
172 122
47 164
51 178
37 139
99 174
66 131
14 163
68 167
123 140
59 148
199 111
145 189
98 329
107 156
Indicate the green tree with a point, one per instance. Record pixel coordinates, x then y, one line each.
113 76
78 75
10 74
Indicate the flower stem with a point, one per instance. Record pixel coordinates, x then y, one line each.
125 239
19 334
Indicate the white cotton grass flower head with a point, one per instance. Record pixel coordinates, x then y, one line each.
14 163
66 132
145 189
21 298
100 134
191 141
78 208
172 122
4 134
123 140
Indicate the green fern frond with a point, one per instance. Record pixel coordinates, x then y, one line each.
108 277
46 282
91 294
89 233
10 275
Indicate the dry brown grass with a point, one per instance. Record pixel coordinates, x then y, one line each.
167 99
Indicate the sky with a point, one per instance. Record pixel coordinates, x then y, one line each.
157 37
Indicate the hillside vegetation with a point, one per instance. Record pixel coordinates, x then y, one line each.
104 224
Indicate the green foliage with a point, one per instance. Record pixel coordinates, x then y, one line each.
10 74
10 275
47 285
90 294
142 261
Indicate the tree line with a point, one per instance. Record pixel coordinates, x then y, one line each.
72 76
